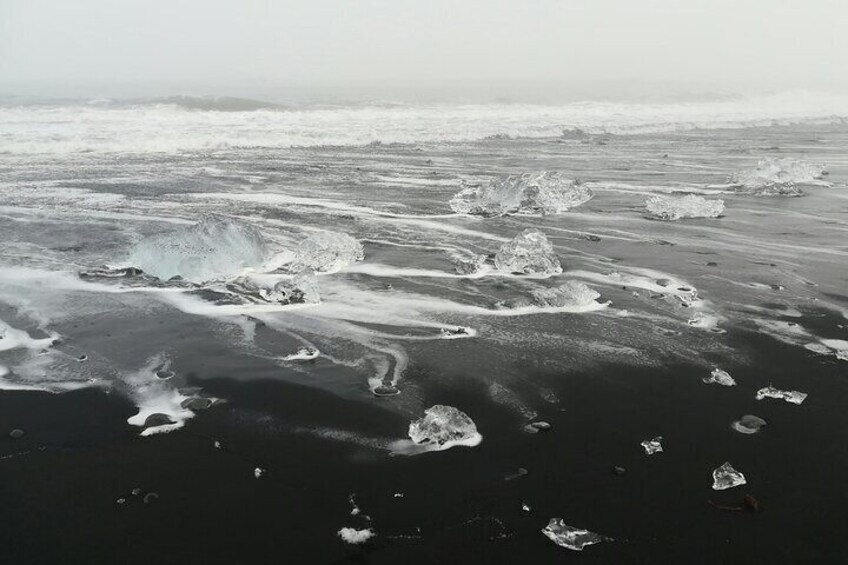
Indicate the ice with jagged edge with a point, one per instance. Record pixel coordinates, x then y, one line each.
546 192
529 253
719 376
678 207
726 477
652 446
298 289
791 396
778 177
327 252
215 248
570 537
442 427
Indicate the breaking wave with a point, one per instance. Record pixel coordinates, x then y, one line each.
186 123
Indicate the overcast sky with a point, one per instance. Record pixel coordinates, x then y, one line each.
373 43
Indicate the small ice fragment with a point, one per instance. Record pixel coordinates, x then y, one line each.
398 495
217 444
456 333
748 424
300 289
653 445
17 433
386 390
525 507
726 477
215 248
136 491
470 266
571 538
327 252
121 500
302 354
258 472
150 497
529 253
535 427
721 377
792 396
354 536
444 426
529 193
570 293
689 206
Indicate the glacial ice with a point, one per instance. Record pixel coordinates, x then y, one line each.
529 253
299 289
443 426
689 206
793 396
470 265
215 248
354 536
778 177
653 445
720 377
570 293
529 193
726 477
327 252
569 537
748 424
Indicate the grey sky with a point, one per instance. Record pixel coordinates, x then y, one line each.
423 42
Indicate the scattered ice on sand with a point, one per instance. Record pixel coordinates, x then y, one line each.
689 206
571 538
653 445
778 177
528 193
792 396
720 377
748 424
302 354
354 536
216 248
327 252
529 253
726 477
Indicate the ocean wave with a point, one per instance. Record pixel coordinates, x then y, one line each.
207 124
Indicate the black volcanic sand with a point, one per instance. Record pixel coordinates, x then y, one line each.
59 484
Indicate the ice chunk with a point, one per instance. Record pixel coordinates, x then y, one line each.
569 537
570 293
299 289
327 252
216 248
529 253
354 536
444 426
726 477
719 377
781 177
748 424
689 206
470 265
302 354
653 445
792 396
528 193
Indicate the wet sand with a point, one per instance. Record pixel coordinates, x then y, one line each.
60 483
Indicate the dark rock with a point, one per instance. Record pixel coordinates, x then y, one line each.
157 419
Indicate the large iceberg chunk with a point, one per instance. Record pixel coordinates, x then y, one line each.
327 252
215 248
689 206
570 537
444 426
529 253
778 177
529 193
